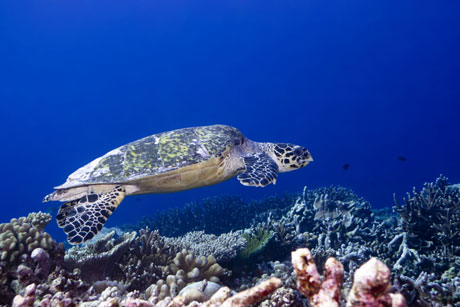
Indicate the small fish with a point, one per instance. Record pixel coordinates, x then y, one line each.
346 166
402 158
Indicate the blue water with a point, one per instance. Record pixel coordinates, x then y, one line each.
357 82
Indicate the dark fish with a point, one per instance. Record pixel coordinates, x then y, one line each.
346 166
402 158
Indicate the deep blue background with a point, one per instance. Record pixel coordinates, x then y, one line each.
358 82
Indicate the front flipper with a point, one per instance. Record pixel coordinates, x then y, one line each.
83 218
260 170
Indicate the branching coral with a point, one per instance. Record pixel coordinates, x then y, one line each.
146 263
96 260
432 217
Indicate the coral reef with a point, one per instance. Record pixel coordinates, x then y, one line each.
224 245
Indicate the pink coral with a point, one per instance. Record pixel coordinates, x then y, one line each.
371 285
320 292
28 299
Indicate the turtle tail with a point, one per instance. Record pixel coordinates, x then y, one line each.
83 218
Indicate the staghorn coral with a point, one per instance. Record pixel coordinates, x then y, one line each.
426 247
432 217
224 247
96 260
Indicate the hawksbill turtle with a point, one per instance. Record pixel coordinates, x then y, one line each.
167 162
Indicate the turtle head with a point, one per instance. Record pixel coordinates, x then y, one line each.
290 157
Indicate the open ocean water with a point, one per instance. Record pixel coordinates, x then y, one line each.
371 88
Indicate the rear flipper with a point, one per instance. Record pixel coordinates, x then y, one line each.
83 218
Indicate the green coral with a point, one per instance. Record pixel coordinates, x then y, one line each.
256 242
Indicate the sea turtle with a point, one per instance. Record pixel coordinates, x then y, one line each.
167 162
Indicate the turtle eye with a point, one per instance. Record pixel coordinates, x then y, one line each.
298 151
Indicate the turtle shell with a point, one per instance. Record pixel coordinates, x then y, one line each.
157 154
